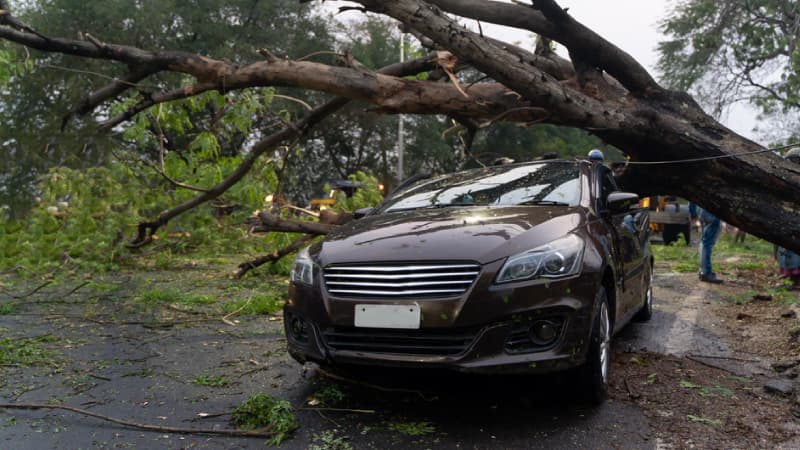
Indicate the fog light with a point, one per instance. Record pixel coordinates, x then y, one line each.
543 332
297 329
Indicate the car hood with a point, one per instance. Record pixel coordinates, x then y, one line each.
481 234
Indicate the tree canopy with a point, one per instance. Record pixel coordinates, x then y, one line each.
673 145
728 51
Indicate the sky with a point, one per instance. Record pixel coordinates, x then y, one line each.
631 25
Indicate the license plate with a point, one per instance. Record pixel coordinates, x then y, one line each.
387 316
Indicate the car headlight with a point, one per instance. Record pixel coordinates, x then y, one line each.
556 259
302 268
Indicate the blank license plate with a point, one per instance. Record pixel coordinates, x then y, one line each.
387 316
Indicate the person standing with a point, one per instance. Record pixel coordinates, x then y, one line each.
789 264
710 225
789 261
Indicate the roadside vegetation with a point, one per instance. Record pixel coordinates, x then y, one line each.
750 266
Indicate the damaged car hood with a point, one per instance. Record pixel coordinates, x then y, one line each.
481 234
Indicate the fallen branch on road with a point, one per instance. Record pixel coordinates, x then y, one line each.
360 411
268 222
21 296
731 358
272 257
237 433
699 360
631 393
376 387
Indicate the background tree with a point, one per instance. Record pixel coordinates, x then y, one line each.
34 105
729 51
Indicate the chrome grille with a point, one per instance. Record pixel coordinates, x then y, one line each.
398 280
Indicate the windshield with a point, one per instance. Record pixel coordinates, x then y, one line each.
546 183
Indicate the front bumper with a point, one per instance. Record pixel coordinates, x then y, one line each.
483 331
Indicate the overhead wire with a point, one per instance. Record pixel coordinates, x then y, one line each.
709 158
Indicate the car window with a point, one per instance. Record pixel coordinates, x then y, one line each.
548 183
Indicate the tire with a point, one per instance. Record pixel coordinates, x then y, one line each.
594 372
646 312
670 234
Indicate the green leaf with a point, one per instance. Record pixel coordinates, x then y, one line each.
689 385
705 420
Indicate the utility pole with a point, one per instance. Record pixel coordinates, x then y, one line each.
400 130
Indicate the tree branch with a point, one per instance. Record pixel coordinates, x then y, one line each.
272 257
107 92
275 223
146 229
241 433
551 21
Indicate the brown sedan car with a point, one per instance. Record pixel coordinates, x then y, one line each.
517 268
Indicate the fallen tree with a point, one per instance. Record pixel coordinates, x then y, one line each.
673 145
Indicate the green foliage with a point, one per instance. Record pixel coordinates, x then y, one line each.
375 42
726 51
704 420
689 385
525 143
740 297
262 410
717 390
207 125
170 295
329 395
368 195
412 428
25 352
257 304
7 308
783 295
754 254
11 66
84 217
327 440
31 141
212 381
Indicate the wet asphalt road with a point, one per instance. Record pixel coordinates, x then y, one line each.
148 375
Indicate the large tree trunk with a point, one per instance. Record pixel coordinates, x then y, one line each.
757 192
604 91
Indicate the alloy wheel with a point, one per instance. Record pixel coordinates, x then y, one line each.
605 341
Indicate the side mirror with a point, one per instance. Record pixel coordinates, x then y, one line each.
361 212
621 202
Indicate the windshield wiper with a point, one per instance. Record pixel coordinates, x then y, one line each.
436 206
543 203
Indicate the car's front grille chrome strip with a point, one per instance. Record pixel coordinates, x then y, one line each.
396 293
398 280
404 268
399 285
398 277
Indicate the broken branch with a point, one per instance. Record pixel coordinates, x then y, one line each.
140 426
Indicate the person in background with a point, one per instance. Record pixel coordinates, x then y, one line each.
595 155
710 225
789 261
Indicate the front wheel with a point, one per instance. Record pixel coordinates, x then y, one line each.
594 372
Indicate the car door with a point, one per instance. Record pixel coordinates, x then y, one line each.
629 230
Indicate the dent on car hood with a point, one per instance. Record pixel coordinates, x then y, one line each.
481 234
